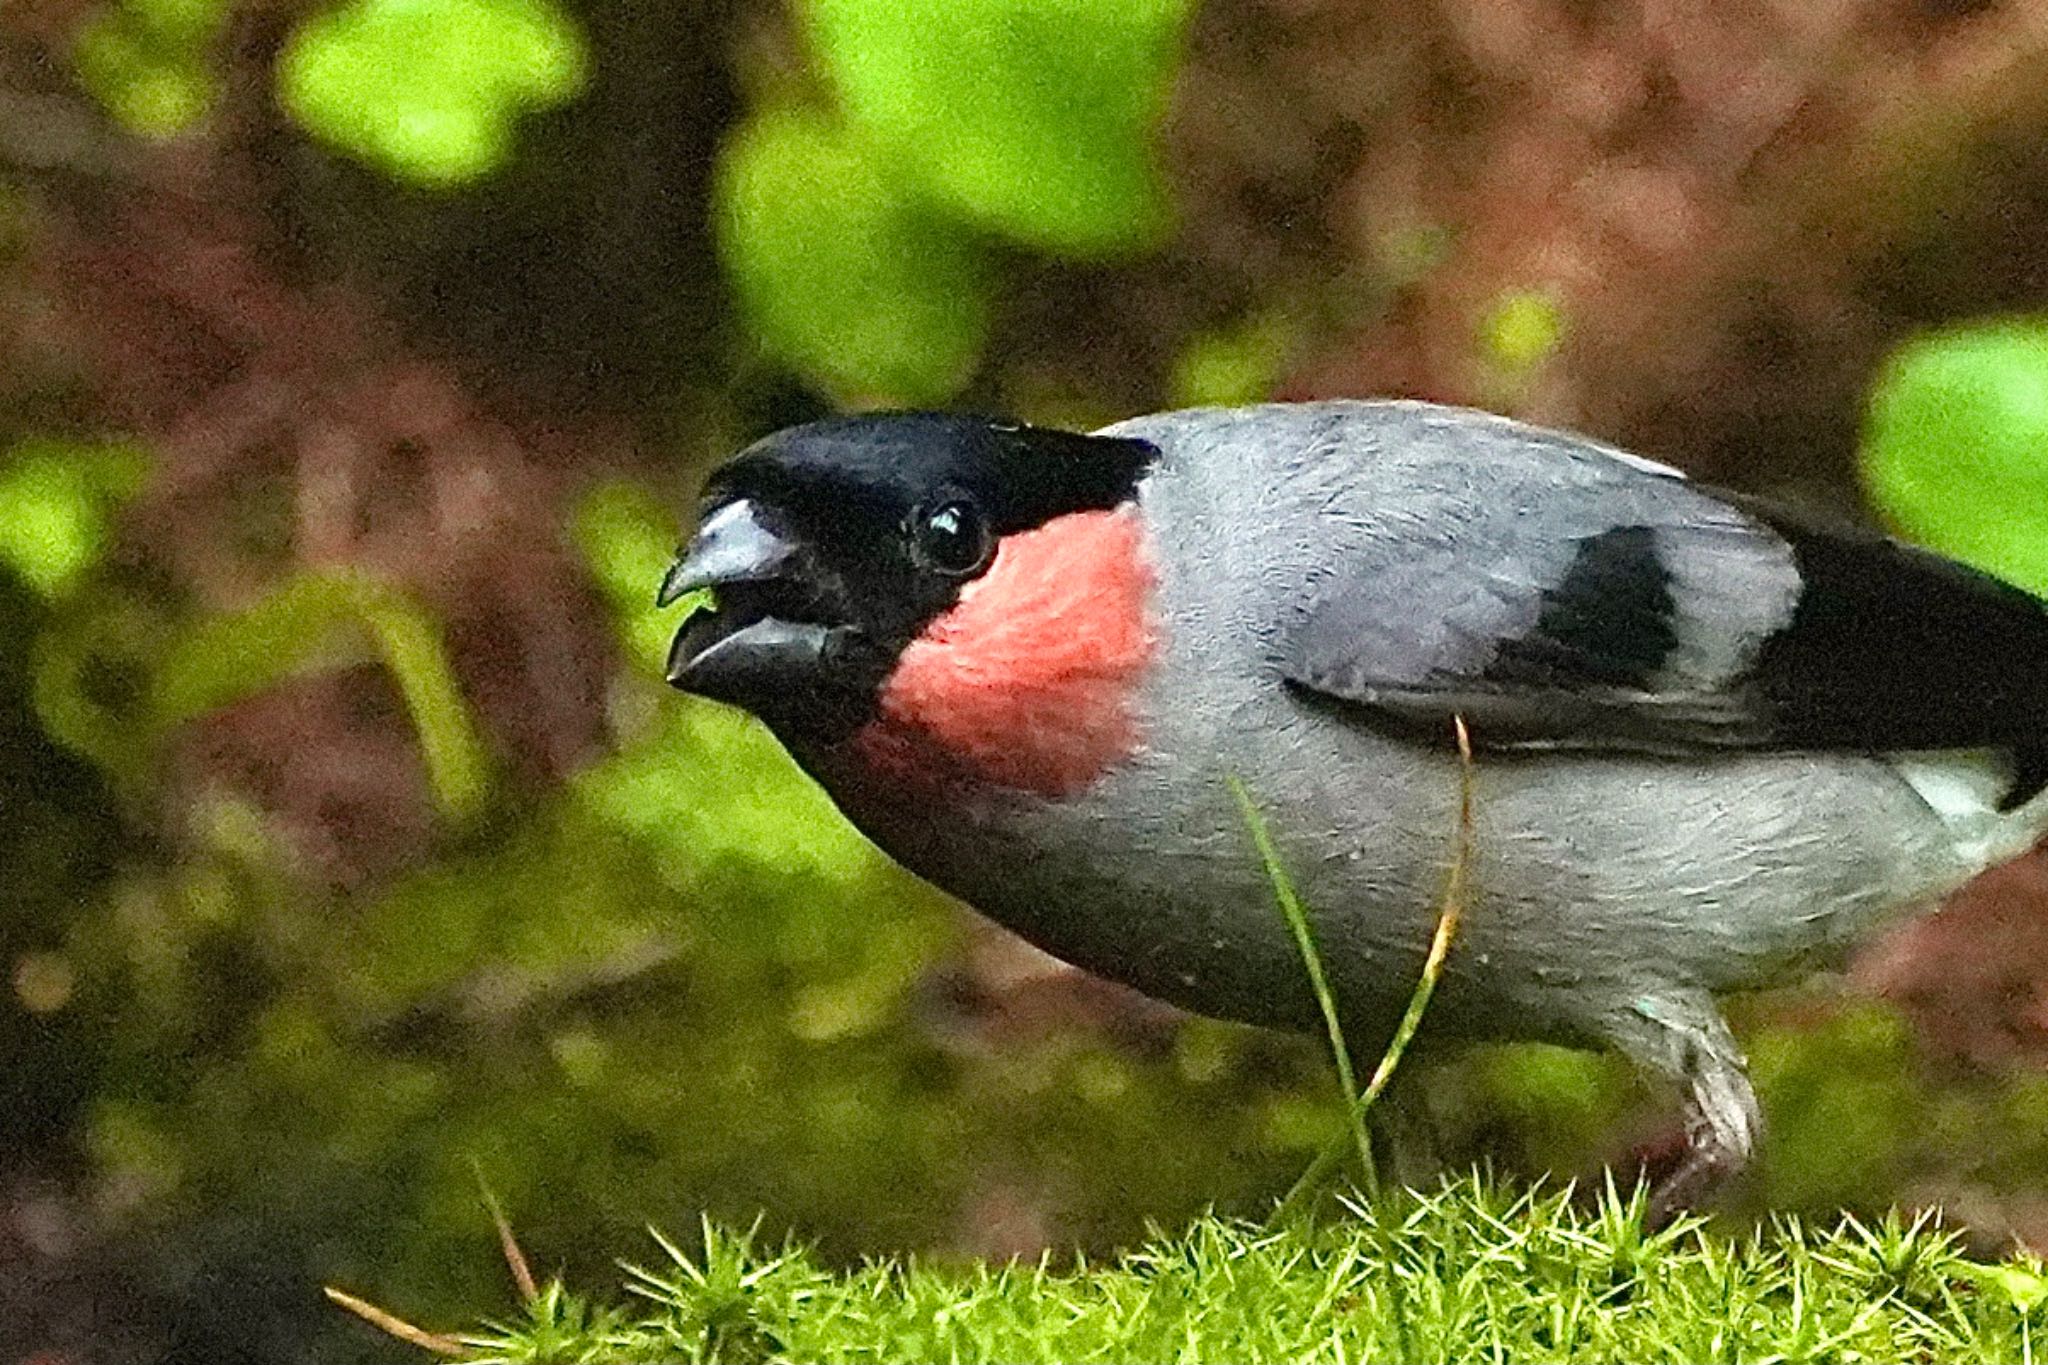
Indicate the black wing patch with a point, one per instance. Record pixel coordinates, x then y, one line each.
1607 623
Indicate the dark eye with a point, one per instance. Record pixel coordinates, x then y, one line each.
951 538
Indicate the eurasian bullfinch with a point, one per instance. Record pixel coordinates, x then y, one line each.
1716 744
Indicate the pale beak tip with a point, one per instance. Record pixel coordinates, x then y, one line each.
676 584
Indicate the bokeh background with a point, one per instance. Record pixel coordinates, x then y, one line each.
357 364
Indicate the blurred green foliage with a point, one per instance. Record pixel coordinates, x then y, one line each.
116 681
1239 364
862 239
149 62
429 90
1033 119
1522 329
1955 449
862 289
60 497
862 235
221 660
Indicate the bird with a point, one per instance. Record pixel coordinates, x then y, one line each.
1715 742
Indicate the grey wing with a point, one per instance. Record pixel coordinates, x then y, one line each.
1557 594
1594 609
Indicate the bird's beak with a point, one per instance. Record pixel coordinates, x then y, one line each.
752 651
732 546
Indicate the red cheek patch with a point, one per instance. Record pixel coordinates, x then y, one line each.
1027 682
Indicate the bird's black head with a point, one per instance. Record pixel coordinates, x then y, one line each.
831 546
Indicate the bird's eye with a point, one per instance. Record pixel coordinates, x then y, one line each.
951 538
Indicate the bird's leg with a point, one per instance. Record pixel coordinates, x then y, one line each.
1688 1042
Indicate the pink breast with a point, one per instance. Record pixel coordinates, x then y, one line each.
1029 681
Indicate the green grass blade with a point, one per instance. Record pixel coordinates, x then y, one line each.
1354 1107
1449 917
1304 939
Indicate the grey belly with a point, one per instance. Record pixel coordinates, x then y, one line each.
1594 880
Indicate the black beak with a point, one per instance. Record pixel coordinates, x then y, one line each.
749 652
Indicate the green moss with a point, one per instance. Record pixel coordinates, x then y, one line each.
1480 1273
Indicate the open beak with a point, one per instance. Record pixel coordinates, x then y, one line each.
751 652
